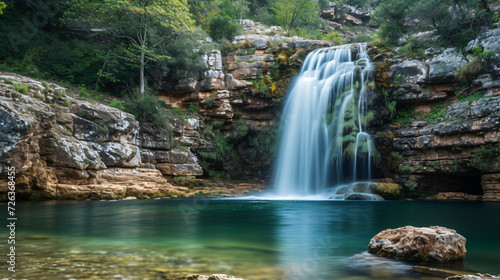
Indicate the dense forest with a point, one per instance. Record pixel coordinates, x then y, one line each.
114 47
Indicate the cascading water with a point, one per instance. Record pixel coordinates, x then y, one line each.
323 141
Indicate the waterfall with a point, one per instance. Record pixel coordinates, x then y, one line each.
323 138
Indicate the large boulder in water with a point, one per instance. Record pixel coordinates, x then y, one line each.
388 191
435 243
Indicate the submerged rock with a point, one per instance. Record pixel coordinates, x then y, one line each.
435 243
363 196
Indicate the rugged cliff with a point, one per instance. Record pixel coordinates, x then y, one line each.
69 148
443 139
436 135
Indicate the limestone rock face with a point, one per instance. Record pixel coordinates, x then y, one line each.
213 76
154 137
85 150
442 66
411 71
435 243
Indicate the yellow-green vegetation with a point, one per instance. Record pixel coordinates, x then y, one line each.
19 88
388 191
117 104
2 7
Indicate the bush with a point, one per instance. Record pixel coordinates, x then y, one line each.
470 71
103 130
223 27
209 102
83 92
19 88
147 109
117 104
194 109
46 87
57 93
80 113
334 37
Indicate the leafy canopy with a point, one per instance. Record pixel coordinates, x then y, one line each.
287 11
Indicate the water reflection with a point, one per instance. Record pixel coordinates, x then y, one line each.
315 237
254 240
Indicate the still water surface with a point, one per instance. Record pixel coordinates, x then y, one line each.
169 239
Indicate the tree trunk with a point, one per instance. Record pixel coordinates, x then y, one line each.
141 86
486 6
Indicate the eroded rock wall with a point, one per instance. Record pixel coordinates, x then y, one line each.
443 140
66 148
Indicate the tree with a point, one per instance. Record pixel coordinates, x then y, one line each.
130 20
222 26
287 11
391 15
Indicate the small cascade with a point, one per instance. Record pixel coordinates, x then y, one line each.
324 140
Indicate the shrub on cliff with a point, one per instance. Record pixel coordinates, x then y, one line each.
148 109
222 26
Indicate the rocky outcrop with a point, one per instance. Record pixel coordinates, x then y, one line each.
66 148
369 191
435 244
443 141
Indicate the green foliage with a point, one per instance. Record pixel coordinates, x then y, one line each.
390 15
209 102
57 93
147 109
80 113
104 129
473 97
455 21
46 87
334 37
485 156
68 132
287 11
436 114
67 101
117 104
473 68
406 169
227 148
404 114
248 51
23 89
179 179
222 26
2 7
391 106
86 161
194 109
83 93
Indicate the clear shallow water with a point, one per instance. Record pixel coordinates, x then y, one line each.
165 239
